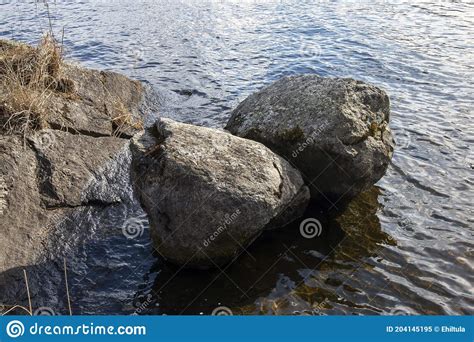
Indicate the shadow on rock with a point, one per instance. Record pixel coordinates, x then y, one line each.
46 286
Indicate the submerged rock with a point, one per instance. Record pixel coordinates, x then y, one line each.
335 131
208 193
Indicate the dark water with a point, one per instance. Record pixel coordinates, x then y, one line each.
405 247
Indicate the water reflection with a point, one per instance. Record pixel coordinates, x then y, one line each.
102 264
281 264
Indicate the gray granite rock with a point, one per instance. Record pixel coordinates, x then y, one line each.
81 160
70 165
23 222
208 193
334 130
103 103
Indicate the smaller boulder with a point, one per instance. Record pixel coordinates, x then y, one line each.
208 193
334 130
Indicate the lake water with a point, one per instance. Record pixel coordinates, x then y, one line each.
404 247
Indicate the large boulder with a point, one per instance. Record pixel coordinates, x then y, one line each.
208 193
335 131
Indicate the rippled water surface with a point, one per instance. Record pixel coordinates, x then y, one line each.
404 247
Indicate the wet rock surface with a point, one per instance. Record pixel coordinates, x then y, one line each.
52 177
70 165
23 217
208 193
334 130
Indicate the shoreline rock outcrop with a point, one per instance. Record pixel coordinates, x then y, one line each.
208 193
334 130
61 150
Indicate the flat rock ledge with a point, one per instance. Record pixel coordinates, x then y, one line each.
210 194
334 130
80 158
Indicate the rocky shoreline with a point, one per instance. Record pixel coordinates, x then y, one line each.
74 160
208 193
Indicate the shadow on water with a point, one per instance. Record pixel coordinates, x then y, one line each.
341 271
99 258
278 266
45 285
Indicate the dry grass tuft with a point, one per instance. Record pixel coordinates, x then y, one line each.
125 119
28 77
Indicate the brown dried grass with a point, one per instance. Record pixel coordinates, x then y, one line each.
125 119
29 76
